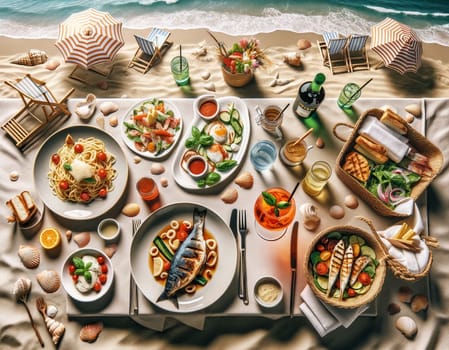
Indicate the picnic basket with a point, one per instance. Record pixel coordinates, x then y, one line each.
417 140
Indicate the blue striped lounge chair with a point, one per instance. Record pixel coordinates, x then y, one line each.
150 49
356 52
333 52
31 119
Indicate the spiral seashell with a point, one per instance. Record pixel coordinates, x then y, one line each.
82 239
90 332
311 220
49 280
292 58
55 328
22 288
32 58
29 256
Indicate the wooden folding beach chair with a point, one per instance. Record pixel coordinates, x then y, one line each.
333 54
356 52
150 49
31 119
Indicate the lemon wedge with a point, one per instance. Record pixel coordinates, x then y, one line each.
158 266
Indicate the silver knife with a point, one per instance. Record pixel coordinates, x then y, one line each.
234 228
293 264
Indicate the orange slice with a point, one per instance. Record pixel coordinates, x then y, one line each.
50 238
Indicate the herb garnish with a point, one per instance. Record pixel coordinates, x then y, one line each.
271 200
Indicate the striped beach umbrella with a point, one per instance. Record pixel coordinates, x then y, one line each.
397 44
90 37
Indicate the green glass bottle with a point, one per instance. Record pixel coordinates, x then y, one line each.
310 95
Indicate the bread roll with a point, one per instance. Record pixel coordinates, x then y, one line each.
376 157
394 121
371 145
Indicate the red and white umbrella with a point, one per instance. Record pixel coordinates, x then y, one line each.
90 37
397 44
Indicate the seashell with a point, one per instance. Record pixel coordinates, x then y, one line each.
311 220
419 303
292 58
137 159
52 311
205 75
245 180
113 122
131 209
55 328
82 239
22 288
393 309
407 326
29 256
229 196
52 64
110 249
100 121
351 201
337 212
14 175
85 109
49 280
31 58
103 85
409 118
108 107
319 142
414 109
303 44
209 86
164 182
199 52
405 294
90 332
157 169
68 235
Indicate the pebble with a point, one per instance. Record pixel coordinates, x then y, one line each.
337 212
113 122
319 142
157 169
393 309
407 326
137 159
414 109
164 182
303 44
14 175
351 201
103 85
131 209
205 75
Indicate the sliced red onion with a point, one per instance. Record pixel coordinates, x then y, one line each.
397 197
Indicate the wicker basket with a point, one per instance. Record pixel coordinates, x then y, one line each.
417 140
236 79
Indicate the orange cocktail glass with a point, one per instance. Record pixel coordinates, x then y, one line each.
272 220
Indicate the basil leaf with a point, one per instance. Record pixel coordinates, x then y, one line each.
67 166
190 142
79 272
90 180
206 140
201 183
269 198
132 126
283 204
79 264
88 266
276 211
226 164
88 276
212 178
195 132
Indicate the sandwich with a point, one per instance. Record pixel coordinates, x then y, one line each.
394 121
371 149
22 207
357 166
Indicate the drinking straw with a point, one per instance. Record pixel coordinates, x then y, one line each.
308 132
180 58
282 111
293 192
360 89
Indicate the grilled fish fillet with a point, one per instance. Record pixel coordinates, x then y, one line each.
346 267
335 264
359 265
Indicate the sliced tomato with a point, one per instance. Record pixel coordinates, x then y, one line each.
139 146
322 268
167 266
140 116
351 292
364 278
181 235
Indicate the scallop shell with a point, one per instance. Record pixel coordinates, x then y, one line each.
337 212
414 109
351 201
14 175
52 310
245 180
82 239
29 256
52 64
157 169
110 250
311 220
230 195
407 326
131 209
108 108
22 288
303 44
137 159
419 303
292 58
31 58
49 280
90 332
164 182
210 86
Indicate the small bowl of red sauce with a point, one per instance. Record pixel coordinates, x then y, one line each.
197 167
206 107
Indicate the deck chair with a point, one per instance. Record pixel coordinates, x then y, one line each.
333 54
31 119
356 52
150 49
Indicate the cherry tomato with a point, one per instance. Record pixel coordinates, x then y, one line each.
100 260
322 268
184 227
364 278
103 278
166 266
320 247
97 287
102 173
55 158
181 235
351 292
63 185
104 268
85 196
75 278
72 269
103 192
101 156
78 148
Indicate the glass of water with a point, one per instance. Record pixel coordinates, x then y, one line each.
263 155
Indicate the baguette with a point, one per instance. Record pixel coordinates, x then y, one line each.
377 157
394 121
371 145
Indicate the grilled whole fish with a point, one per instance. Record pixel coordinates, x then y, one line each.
335 264
346 268
188 260
359 265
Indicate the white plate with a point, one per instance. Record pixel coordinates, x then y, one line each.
147 154
185 180
214 289
72 210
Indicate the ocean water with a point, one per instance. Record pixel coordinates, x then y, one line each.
39 18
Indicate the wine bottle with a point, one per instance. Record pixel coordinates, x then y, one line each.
310 95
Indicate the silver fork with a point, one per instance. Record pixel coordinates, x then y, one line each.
243 230
133 293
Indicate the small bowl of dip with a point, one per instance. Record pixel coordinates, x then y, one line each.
207 107
197 167
268 292
109 230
